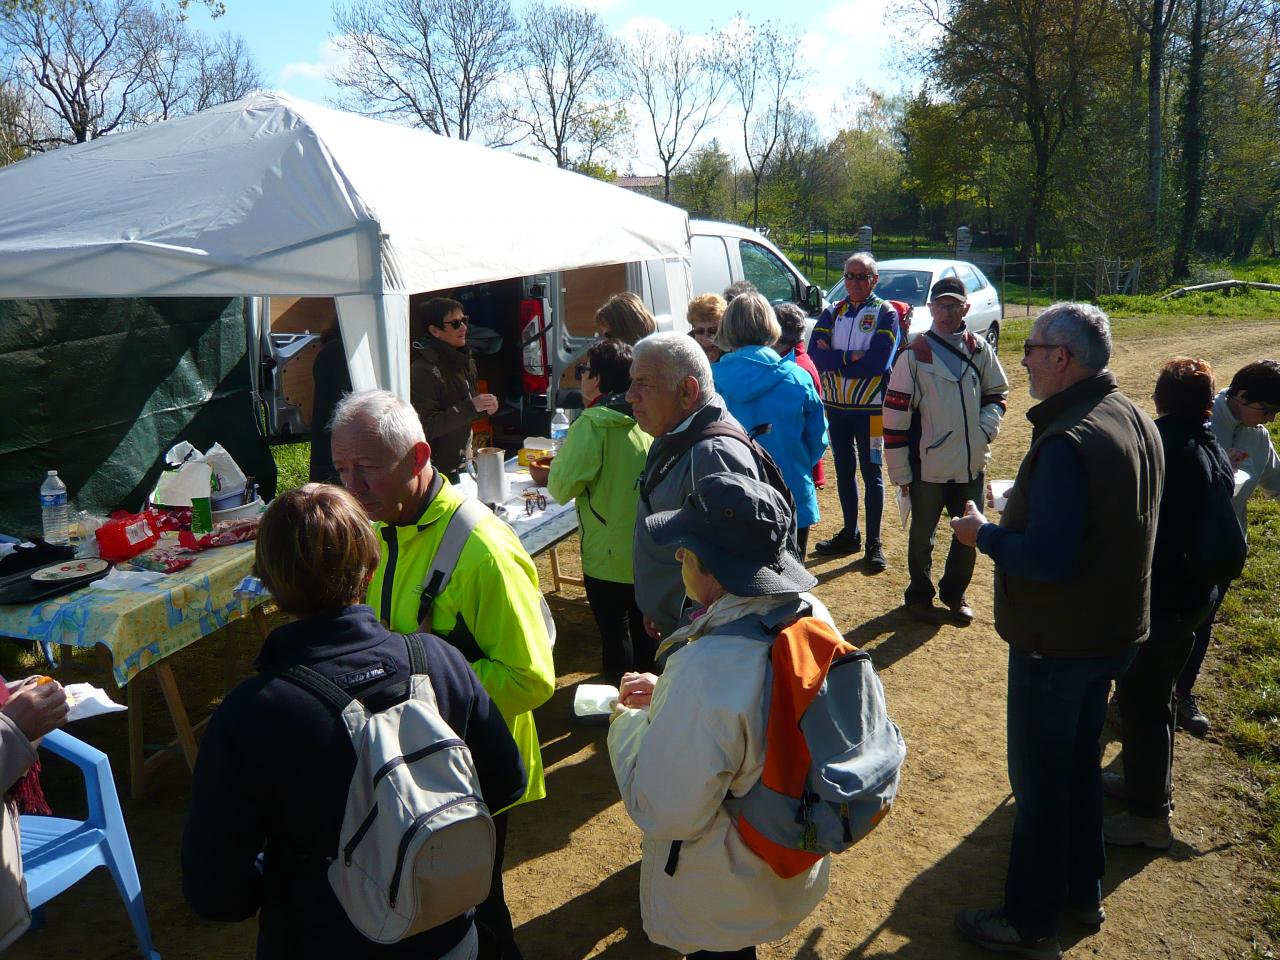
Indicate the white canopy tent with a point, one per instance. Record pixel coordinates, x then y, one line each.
274 196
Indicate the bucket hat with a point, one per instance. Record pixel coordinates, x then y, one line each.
738 527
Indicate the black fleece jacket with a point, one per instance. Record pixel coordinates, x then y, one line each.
272 776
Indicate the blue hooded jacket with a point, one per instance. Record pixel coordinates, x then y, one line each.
760 387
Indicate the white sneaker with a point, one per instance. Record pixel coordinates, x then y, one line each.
1126 830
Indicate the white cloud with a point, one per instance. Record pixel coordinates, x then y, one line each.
330 58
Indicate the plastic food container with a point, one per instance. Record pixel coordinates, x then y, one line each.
1000 493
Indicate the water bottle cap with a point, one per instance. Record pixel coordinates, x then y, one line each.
53 473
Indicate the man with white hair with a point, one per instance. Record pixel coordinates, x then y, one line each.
673 399
852 345
1073 554
490 609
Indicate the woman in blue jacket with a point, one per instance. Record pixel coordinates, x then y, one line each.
761 389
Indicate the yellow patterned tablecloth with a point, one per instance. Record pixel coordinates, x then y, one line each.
143 625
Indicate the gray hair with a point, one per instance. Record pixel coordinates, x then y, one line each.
679 356
748 322
1080 327
866 259
397 422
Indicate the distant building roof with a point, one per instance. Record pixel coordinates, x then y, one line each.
634 182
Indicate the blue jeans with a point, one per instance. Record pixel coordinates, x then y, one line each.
1056 711
850 436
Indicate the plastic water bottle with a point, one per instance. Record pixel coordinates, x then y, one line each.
559 429
53 509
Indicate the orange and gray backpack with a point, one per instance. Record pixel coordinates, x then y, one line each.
832 755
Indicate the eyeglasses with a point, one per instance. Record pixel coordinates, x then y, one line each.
704 331
583 370
455 324
855 277
949 304
1268 408
1028 346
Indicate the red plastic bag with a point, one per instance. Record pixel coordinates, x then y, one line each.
126 535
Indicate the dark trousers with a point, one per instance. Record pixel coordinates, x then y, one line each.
1055 715
624 643
493 919
746 953
927 503
850 435
802 542
1204 633
1145 695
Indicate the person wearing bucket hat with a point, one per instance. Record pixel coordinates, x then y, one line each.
681 742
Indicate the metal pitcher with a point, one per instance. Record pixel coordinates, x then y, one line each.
492 483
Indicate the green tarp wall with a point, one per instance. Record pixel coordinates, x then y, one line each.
99 390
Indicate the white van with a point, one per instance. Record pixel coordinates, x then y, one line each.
723 253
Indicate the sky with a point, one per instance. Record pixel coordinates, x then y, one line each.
843 44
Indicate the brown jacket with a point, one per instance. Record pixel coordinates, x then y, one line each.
442 381
1105 606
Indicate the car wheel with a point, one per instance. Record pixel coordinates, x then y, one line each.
993 336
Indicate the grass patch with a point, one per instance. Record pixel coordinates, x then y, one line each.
1248 639
293 465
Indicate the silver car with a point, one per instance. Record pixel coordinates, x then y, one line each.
910 281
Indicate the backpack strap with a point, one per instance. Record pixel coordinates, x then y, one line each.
417 654
324 689
460 525
672 449
952 350
767 626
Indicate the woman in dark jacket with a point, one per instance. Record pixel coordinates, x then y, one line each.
1196 467
275 763
442 384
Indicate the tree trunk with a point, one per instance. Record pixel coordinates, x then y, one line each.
1155 146
1193 144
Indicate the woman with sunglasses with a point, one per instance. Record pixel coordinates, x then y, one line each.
442 384
598 465
705 313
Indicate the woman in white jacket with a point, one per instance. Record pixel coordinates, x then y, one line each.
682 742
27 712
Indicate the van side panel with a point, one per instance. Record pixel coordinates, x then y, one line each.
712 271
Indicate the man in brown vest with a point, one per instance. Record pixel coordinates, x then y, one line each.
1072 599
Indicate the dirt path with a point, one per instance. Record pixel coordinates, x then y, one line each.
572 860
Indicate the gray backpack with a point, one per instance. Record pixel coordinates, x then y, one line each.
416 846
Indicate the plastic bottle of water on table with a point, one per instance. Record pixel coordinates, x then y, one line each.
559 429
53 510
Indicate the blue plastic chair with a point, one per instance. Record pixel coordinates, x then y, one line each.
57 853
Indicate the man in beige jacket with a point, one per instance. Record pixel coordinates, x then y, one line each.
946 397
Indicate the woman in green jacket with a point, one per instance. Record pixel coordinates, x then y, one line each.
599 464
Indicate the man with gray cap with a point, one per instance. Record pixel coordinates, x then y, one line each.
682 742
1073 556
947 395
673 399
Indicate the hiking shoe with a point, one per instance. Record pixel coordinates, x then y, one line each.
961 612
1126 830
991 930
1113 785
875 557
1190 718
841 544
1087 914
923 611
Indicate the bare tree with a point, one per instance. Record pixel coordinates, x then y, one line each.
79 60
1153 18
677 88
223 70
764 69
568 63
434 63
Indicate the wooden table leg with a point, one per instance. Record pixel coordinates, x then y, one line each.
177 711
559 579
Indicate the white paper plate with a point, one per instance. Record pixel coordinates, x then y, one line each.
69 570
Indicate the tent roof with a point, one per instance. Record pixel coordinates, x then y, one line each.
272 195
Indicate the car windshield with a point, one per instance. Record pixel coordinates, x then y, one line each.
909 286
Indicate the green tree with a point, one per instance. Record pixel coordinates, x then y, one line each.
704 183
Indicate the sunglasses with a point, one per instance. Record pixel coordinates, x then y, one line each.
1268 408
703 331
855 277
583 370
1028 346
455 324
